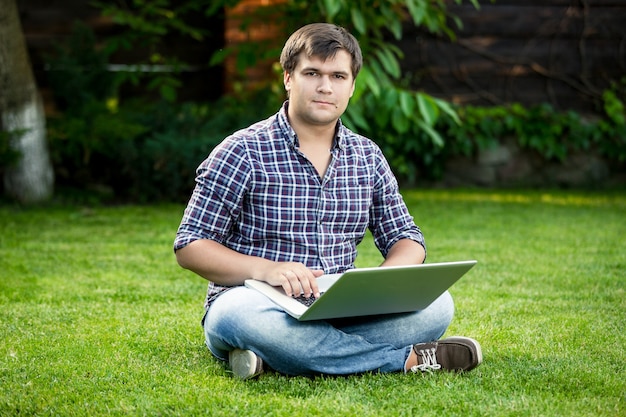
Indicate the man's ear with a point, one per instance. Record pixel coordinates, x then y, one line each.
287 80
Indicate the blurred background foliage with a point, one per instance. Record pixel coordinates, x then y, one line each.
146 148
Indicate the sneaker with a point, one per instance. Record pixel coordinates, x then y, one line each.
451 354
245 364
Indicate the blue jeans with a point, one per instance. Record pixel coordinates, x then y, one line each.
244 318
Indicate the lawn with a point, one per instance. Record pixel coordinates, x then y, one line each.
96 318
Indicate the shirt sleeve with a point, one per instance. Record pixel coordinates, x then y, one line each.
390 220
221 184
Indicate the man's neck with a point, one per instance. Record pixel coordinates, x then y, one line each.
315 143
311 135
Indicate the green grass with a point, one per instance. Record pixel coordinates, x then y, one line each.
96 318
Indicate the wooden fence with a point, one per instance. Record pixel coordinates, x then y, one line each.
563 52
47 23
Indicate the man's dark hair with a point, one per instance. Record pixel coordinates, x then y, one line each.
321 40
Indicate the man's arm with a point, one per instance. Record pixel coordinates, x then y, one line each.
224 266
405 252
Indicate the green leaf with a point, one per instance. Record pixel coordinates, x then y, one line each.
220 56
361 84
381 117
407 103
332 7
399 121
395 27
476 4
389 62
355 117
432 133
447 108
417 11
391 98
358 20
374 77
428 108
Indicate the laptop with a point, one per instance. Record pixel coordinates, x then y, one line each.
370 291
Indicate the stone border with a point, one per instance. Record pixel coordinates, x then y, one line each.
508 165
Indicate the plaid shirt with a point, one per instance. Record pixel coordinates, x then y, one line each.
259 195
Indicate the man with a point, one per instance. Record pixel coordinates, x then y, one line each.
287 200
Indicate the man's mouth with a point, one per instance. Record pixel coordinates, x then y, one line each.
325 103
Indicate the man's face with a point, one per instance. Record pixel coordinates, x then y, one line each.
319 91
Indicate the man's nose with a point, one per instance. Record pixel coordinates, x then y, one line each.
325 86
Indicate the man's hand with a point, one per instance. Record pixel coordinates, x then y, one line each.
295 278
224 266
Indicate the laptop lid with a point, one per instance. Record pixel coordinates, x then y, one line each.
372 291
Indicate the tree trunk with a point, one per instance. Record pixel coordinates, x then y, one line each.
31 179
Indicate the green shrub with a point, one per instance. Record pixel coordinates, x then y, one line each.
612 130
552 135
144 151
78 71
141 150
540 128
164 162
149 152
88 145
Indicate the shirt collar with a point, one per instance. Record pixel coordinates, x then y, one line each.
292 138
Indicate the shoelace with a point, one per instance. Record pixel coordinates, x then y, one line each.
429 361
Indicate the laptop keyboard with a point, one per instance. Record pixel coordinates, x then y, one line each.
306 301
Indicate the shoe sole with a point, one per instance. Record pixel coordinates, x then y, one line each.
244 363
